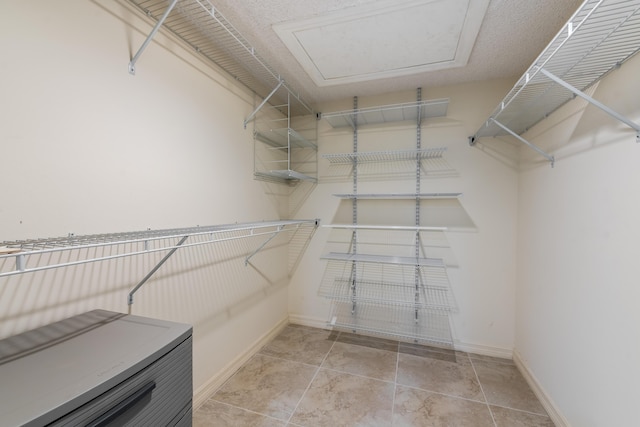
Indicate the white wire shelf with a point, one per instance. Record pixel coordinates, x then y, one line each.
285 175
386 227
77 250
385 259
398 322
400 196
284 138
597 39
388 113
200 25
385 293
385 156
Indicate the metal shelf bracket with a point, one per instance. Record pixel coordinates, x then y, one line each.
534 147
132 63
154 269
594 102
264 101
259 248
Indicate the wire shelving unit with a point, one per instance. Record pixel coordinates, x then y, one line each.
404 297
597 39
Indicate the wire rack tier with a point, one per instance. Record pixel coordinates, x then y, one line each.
400 196
75 250
388 113
388 285
283 138
385 156
598 38
429 327
385 259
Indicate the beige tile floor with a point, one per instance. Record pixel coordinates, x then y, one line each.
313 377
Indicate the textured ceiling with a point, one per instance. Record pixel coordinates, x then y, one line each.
511 36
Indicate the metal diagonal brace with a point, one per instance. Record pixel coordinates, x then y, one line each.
527 143
259 248
595 103
132 63
264 101
148 276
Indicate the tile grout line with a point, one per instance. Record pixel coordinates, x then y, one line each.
248 410
395 387
483 393
312 379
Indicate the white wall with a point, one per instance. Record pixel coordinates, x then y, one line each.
88 148
481 258
577 295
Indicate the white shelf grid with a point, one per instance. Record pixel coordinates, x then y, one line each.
396 163
385 156
201 26
388 284
597 39
385 259
42 254
401 196
284 175
284 139
388 113
398 322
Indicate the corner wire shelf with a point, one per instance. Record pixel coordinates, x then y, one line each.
278 138
598 38
201 26
28 252
388 113
385 227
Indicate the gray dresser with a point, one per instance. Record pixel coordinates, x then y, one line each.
98 369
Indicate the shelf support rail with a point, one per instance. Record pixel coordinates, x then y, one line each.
154 269
132 63
594 102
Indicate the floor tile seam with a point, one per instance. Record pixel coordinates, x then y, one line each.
483 393
248 410
395 388
520 410
356 375
288 360
366 346
318 368
443 394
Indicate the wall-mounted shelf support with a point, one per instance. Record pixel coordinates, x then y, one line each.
594 102
264 101
154 269
259 248
132 63
531 145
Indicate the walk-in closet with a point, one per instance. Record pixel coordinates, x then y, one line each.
303 213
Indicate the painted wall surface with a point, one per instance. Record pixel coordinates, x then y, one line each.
481 242
88 148
578 245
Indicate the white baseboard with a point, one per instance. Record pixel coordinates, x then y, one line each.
485 350
314 322
554 413
207 390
